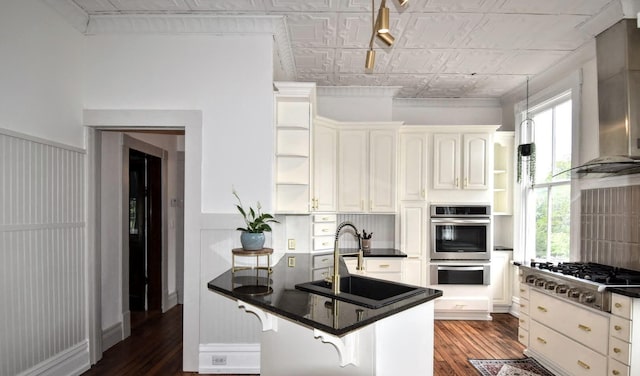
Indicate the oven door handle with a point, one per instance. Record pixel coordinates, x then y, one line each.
460 221
461 268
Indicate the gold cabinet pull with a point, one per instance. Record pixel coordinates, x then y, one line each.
325 230
617 350
542 309
457 183
617 327
521 336
522 321
325 243
615 372
542 340
618 305
384 265
325 259
583 364
584 327
325 218
422 193
522 290
522 305
465 183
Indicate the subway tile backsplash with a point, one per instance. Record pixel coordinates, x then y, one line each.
610 226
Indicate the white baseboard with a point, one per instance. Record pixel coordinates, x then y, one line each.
126 324
111 336
463 315
501 308
72 361
221 358
172 301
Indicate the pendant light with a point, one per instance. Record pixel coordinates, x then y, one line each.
380 29
527 151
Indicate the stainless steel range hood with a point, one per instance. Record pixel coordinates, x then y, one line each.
618 59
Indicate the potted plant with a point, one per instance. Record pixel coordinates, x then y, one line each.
257 223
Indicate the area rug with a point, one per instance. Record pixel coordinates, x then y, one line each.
509 367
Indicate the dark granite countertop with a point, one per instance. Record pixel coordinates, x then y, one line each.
632 292
276 293
375 252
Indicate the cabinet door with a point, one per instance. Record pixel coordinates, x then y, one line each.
412 273
413 160
413 225
446 161
501 279
352 170
476 159
324 169
382 171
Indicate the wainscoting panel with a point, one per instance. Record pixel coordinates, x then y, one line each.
42 259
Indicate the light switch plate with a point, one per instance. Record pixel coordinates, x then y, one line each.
291 261
291 244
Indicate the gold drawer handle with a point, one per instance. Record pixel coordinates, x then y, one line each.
583 364
584 327
325 243
384 265
522 321
615 372
522 305
542 340
521 336
325 230
522 290
324 259
617 350
325 218
618 305
542 309
617 328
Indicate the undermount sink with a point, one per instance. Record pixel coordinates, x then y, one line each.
363 291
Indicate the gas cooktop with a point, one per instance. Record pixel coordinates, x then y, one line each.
598 273
582 282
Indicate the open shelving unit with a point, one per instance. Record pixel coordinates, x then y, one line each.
503 173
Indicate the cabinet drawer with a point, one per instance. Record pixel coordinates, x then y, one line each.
523 336
323 273
323 242
393 277
524 291
619 350
523 321
621 305
324 218
570 355
617 369
580 324
321 229
378 266
323 261
462 304
524 306
620 328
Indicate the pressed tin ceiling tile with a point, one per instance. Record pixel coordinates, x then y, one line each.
476 48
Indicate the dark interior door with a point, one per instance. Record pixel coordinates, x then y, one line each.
145 232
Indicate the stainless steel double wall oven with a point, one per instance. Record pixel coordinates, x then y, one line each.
460 246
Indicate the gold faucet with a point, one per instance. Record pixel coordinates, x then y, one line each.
335 278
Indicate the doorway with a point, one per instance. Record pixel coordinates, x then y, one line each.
145 232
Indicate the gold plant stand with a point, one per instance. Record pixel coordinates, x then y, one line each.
241 252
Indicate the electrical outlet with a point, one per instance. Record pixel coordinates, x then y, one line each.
291 244
291 261
219 360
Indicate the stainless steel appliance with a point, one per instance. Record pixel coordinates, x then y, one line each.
581 282
460 274
460 232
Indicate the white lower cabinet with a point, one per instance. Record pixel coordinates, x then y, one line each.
568 354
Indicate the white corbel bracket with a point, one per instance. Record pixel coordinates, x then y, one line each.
269 321
347 346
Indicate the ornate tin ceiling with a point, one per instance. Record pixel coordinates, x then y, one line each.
443 48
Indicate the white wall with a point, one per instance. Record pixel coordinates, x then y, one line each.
354 108
448 111
42 231
40 73
228 78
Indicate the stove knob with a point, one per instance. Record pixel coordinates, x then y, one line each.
530 279
562 289
550 285
573 293
539 282
587 297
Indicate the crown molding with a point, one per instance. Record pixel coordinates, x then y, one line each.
447 102
358 91
183 24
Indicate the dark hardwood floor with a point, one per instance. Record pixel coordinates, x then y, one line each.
155 346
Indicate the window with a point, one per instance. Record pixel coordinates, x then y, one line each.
548 197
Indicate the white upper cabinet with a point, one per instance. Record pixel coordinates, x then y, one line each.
413 170
367 170
325 154
352 170
382 171
293 113
471 150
